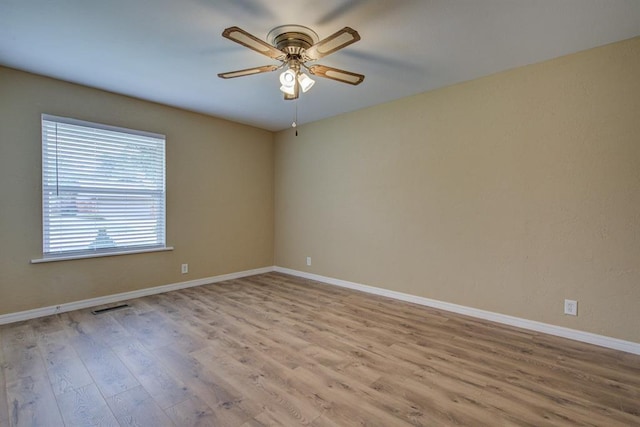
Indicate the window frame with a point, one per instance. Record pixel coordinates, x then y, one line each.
89 252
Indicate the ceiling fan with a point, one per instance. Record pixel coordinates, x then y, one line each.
294 46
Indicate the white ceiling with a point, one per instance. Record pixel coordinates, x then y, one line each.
170 51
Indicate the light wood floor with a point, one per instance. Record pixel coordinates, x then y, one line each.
277 350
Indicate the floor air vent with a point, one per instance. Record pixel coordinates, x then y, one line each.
104 310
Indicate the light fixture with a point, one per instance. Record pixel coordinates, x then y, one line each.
305 81
292 80
288 81
294 46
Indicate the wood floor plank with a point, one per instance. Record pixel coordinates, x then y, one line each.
64 367
85 406
136 407
345 405
166 390
227 404
108 372
254 423
289 384
32 402
101 328
22 358
274 349
46 325
154 330
533 385
193 412
255 382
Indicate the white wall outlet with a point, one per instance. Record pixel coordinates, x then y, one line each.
185 268
571 307
308 260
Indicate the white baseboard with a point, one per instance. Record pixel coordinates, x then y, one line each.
109 299
587 337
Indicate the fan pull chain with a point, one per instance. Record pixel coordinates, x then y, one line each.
295 119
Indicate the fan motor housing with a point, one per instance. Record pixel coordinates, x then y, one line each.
292 39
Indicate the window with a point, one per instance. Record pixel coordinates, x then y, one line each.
103 189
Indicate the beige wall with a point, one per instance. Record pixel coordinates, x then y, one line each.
509 193
219 195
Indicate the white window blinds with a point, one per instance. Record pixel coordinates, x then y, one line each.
103 188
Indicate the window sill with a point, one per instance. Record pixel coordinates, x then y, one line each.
98 255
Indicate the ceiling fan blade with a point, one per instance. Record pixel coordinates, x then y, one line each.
336 74
248 71
240 36
334 42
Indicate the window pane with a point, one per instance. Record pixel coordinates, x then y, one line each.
103 188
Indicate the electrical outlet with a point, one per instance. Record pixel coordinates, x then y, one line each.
308 260
185 268
571 307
